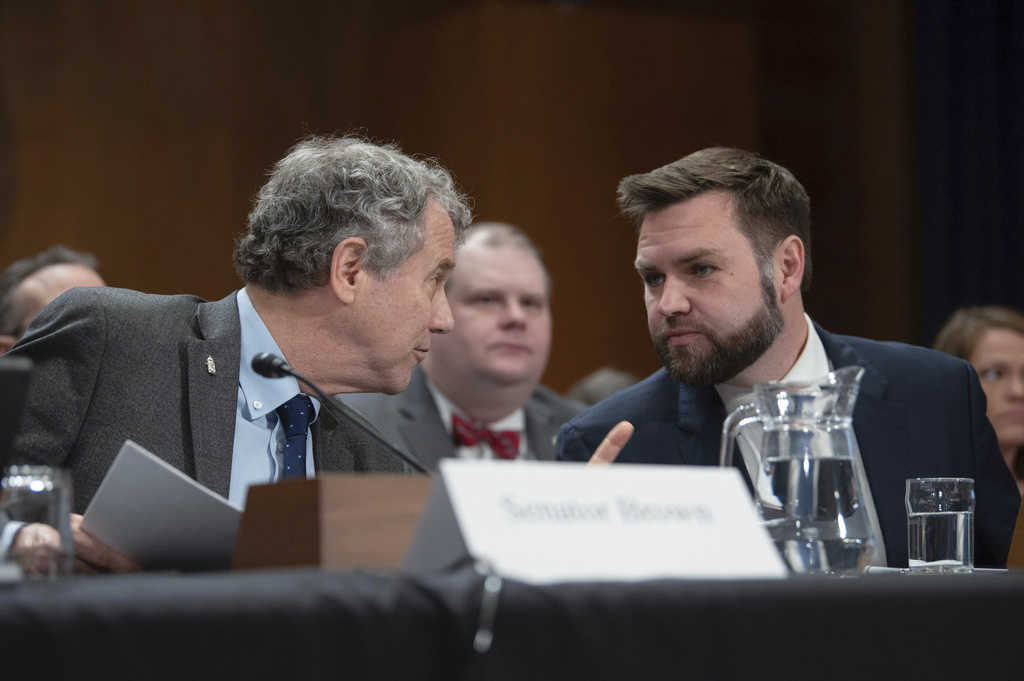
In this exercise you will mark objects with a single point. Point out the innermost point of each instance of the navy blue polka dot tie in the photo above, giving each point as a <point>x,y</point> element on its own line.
<point>295,415</point>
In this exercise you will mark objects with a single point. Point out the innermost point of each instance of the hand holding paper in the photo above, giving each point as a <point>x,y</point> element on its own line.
<point>149,510</point>
<point>92,555</point>
<point>34,543</point>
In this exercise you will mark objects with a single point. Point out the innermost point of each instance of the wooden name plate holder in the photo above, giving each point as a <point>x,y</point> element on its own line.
<point>338,521</point>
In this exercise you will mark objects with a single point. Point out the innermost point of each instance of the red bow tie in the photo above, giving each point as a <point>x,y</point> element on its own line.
<point>505,443</point>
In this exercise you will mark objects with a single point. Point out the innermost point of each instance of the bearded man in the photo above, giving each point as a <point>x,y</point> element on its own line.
<point>724,254</point>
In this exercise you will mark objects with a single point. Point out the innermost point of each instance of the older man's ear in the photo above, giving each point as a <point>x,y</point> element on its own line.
<point>347,267</point>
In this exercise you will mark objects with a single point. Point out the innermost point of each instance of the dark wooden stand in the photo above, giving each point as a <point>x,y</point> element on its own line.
<point>338,521</point>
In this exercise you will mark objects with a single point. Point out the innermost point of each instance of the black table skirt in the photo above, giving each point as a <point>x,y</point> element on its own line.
<point>307,624</point>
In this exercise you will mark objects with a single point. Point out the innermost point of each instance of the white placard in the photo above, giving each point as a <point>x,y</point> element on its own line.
<point>160,517</point>
<point>546,522</point>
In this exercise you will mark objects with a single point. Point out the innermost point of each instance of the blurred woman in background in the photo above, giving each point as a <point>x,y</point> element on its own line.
<point>991,338</point>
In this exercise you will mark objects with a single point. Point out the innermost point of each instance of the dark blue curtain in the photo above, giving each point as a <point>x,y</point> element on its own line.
<point>969,58</point>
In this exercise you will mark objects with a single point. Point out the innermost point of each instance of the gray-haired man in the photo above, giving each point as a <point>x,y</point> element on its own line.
<point>344,262</point>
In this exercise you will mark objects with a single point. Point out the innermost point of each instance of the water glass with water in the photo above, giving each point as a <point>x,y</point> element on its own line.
<point>41,494</point>
<point>940,524</point>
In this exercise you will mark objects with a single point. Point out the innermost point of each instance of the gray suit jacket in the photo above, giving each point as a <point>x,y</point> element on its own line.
<point>411,420</point>
<point>113,364</point>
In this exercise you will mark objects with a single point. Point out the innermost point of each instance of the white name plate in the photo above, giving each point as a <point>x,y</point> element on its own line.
<point>546,522</point>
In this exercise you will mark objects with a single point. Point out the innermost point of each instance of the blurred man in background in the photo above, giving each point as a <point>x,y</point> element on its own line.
<point>28,285</point>
<point>478,394</point>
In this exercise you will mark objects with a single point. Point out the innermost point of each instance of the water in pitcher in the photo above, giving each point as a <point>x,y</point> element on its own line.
<point>813,513</point>
<point>806,481</point>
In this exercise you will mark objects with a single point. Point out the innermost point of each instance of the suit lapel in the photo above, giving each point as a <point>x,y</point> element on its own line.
<point>330,452</point>
<point>213,397</point>
<point>882,428</point>
<point>419,423</point>
<point>540,429</point>
<point>339,446</point>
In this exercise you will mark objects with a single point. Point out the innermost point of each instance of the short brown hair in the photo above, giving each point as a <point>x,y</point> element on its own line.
<point>964,328</point>
<point>770,203</point>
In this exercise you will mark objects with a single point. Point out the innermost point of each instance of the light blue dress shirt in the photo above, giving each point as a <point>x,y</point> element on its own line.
<point>257,456</point>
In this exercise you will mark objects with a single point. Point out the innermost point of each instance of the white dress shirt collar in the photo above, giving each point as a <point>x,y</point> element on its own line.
<point>515,421</point>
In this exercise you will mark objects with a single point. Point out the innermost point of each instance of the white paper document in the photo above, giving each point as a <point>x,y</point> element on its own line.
<point>163,519</point>
<point>549,522</point>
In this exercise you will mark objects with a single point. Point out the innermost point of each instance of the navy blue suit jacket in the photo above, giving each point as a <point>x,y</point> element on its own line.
<point>919,413</point>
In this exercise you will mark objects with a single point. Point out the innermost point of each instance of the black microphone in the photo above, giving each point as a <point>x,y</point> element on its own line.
<point>270,365</point>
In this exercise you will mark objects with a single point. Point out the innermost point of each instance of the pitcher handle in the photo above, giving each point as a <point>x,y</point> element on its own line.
<point>730,429</point>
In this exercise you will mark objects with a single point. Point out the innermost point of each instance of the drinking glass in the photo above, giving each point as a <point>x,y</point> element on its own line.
<point>41,494</point>
<point>940,524</point>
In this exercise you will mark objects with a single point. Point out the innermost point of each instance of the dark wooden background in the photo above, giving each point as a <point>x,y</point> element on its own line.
<point>141,131</point>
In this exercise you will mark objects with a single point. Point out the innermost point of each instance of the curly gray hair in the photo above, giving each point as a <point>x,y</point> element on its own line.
<point>327,189</point>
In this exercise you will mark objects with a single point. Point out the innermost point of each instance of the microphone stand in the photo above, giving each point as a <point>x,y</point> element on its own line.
<point>271,366</point>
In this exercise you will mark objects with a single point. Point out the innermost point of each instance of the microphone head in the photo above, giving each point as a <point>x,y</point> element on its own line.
<point>270,365</point>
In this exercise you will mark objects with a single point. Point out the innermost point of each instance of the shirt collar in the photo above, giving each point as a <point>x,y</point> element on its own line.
<point>812,364</point>
<point>445,407</point>
<point>262,395</point>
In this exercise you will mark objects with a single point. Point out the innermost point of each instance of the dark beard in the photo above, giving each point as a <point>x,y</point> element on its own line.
<point>727,356</point>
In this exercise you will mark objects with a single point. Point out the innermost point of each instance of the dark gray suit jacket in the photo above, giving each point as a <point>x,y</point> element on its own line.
<point>411,420</point>
<point>113,364</point>
<point>920,413</point>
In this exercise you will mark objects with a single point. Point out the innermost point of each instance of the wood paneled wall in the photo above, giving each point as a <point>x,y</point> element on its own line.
<point>141,131</point>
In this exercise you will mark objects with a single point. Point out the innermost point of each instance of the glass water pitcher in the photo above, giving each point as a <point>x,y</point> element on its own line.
<point>808,487</point>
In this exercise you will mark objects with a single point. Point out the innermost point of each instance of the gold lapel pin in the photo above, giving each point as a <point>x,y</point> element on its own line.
<point>211,368</point>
